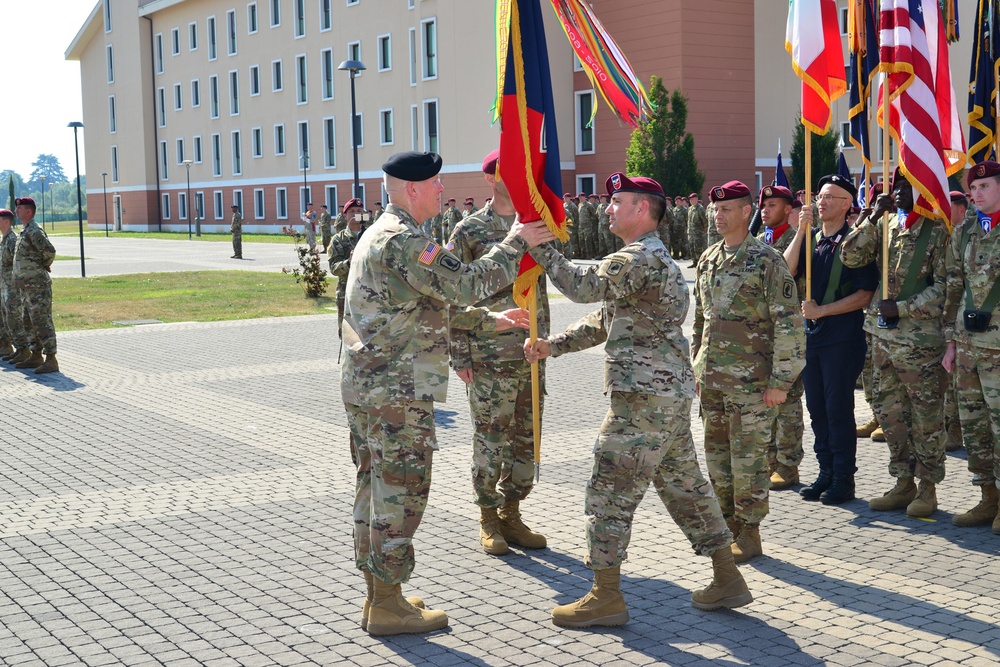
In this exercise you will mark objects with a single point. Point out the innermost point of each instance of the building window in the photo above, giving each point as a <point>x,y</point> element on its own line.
<point>360,194</point>
<point>254,80</point>
<point>258,204</point>
<point>351,2</point>
<point>301,81</point>
<point>325,19</point>
<point>413,56</point>
<point>213,45</point>
<point>386,136</point>
<point>279,139</point>
<point>199,205</point>
<point>354,53</point>
<point>238,200</point>
<point>110,57</point>
<point>300,17</point>
<point>303,138</point>
<point>234,93</point>
<point>384,53</point>
<point>281,203</point>
<point>277,83</point>
<point>252,18</point>
<point>414,126</point>
<point>409,4</point>
<point>845,135</point>
<point>107,15</point>
<point>331,197</point>
<point>584,128</point>
<point>195,93</point>
<point>881,148</point>
<point>164,174</point>
<point>178,101</point>
<point>431,126</point>
<point>305,197</point>
<point>275,13</point>
<point>844,27</point>
<point>358,130</point>
<point>192,36</point>
<point>217,201</point>
<point>237,154</point>
<point>256,142</point>
<point>428,34</point>
<point>114,164</point>
<point>586,184</point>
<point>112,115</point>
<point>161,107</point>
<point>326,60</point>
<point>175,42</point>
<point>158,41</point>
<point>213,96</point>
<point>231,31</point>
<point>197,150</point>
<point>182,209</point>
<point>216,154</point>
<point>165,205</point>
<point>577,65</point>
<point>180,151</point>
<point>329,143</point>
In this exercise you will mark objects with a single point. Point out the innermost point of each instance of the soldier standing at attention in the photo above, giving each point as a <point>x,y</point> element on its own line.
<point>10,298</point>
<point>395,366</point>
<point>973,347</point>
<point>325,226</point>
<point>908,345</point>
<point>573,245</point>
<point>665,225</point>
<point>748,350</point>
<point>588,227</point>
<point>452,216</point>
<point>236,228</point>
<point>713,233</point>
<point>470,207</point>
<point>309,218</point>
<point>646,435</point>
<point>33,257</point>
<point>606,238</point>
<point>678,230</point>
<point>492,365</point>
<point>338,254</point>
<point>697,233</point>
<point>377,213</point>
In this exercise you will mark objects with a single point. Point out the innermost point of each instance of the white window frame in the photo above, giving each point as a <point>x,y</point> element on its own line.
<point>193,36</point>
<point>277,82</point>
<point>109,62</point>
<point>256,142</point>
<point>213,96</point>
<point>196,149</point>
<point>299,18</point>
<point>161,107</point>
<point>359,124</point>
<point>158,52</point>
<point>329,133</point>
<point>236,148</point>
<point>238,200</point>
<point>254,80</point>
<point>216,155</point>
<point>437,123</point>
<point>301,79</point>
<point>580,187</point>
<point>199,204</point>
<point>217,204</point>
<point>428,60</point>
<point>578,127</point>
<point>231,35</point>
<point>213,38</point>
<point>281,202</point>
<point>112,115</point>
<point>303,138</point>
<point>842,20</point>
<point>386,39</point>
<point>195,93</point>
<point>175,41</point>
<point>354,53</point>
<point>279,130</point>
<point>305,197</point>
<point>253,19</point>
<point>164,171</point>
<point>179,150</point>
<point>326,74</point>
<point>414,126</point>
<point>275,13</point>
<point>178,97</point>
<point>114,163</point>
<point>845,135</point>
<point>258,203</point>
<point>351,3</point>
<point>165,205</point>
<point>382,115</point>
<point>413,56</point>
<point>107,16</point>
<point>333,202</point>
<point>325,15</point>
<point>234,92</point>
<point>182,209</point>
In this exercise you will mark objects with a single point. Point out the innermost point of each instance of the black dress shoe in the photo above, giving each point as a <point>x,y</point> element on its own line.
<point>816,489</point>
<point>840,491</point>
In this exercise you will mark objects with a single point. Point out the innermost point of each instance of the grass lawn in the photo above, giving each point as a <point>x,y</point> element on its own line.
<point>199,296</point>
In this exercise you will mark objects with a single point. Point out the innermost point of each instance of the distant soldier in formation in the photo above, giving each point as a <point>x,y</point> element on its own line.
<point>378,211</point>
<point>697,234</point>
<point>665,226</point>
<point>607,239</point>
<point>588,227</point>
<point>646,436</point>
<point>470,207</point>
<point>338,254</point>
<point>678,230</point>
<point>713,233</point>
<point>10,298</point>
<point>573,246</point>
<point>33,257</point>
<point>236,228</point>
<point>325,226</point>
<point>452,216</point>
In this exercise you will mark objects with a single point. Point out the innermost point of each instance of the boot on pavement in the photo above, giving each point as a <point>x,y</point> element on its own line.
<point>51,365</point>
<point>728,588</point>
<point>866,429</point>
<point>390,614</point>
<point>784,477</point>
<point>747,546</point>
<point>10,355</point>
<point>366,606</point>
<point>816,489</point>
<point>840,491</point>
<point>603,605</point>
<point>490,537</point>
<point>984,512</point>
<point>22,354</point>
<point>6,349</point>
<point>926,501</point>
<point>34,360</point>
<point>898,498</point>
<point>513,529</point>
<point>878,435</point>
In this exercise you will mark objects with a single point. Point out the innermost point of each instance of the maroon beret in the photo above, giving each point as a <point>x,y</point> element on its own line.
<point>6,213</point>
<point>981,170</point>
<point>775,192</point>
<point>957,196</point>
<point>470,200</point>
<point>582,194</point>
<point>896,173</point>
<point>27,201</point>
<point>874,191</point>
<point>351,203</point>
<point>490,162</point>
<point>450,200</point>
<point>730,190</point>
<point>566,194</point>
<point>855,209</point>
<point>694,194</point>
<point>796,203</point>
<point>619,182</point>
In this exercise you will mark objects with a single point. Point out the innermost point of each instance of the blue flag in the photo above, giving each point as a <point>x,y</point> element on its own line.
<point>780,178</point>
<point>863,188</point>
<point>863,45</point>
<point>983,83</point>
<point>843,169</point>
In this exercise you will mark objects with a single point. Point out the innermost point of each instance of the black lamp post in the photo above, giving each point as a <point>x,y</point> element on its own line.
<point>187,201</point>
<point>43,203</point>
<point>104,179</point>
<point>79,197</point>
<point>354,66</point>
<point>305,185</point>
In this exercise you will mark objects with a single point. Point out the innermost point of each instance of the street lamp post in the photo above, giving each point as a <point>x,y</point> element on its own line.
<point>104,179</point>
<point>79,197</point>
<point>52,198</point>
<point>354,66</point>
<point>305,185</point>
<point>187,204</point>
<point>43,202</point>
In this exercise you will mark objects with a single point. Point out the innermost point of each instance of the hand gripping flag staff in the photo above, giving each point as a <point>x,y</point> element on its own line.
<point>529,146</point>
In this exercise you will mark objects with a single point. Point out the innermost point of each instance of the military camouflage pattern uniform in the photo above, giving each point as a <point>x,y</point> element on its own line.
<point>748,337</point>
<point>500,394</point>
<point>395,366</point>
<point>452,216</point>
<point>909,382</point>
<point>325,228</point>
<point>604,235</point>
<point>573,247</point>
<point>309,221</point>
<point>646,435</point>
<point>340,222</point>
<point>11,297</point>
<point>377,214</point>
<point>678,232</point>
<point>975,265</point>
<point>338,254</point>
<point>33,256</point>
<point>696,234</point>
<point>713,234</point>
<point>588,229</point>
<point>236,227</point>
<point>663,229</point>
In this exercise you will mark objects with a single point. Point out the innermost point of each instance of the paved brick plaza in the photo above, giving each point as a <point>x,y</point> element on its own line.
<point>181,495</point>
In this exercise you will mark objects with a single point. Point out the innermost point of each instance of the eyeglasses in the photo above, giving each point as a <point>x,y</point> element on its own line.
<point>831,198</point>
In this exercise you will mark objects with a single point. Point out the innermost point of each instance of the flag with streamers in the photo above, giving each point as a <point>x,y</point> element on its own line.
<point>862,43</point>
<point>812,36</point>
<point>983,82</point>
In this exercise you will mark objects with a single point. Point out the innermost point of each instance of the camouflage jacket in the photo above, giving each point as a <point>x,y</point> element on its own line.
<point>713,234</point>
<point>377,214</point>
<point>33,254</point>
<point>922,315</point>
<point>339,256</point>
<point>340,222</point>
<point>666,222</point>
<point>474,237</point>
<point>645,302</point>
<point>748,332</point>
<point>325,221</point>
<point>680,216</point>
<point>236,226</point>
<point>572,212</point>
<point>396,319</point>
<point>697,217</point>
<point>7,257</point>
<point>977,266</point>
<point>588,217</point>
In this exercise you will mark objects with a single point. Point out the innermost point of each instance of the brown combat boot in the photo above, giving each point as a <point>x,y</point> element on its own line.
<point>390,614</point>
<point>747,546</point>
<point>489,533</point>
<point>513,529</point>
<point>366,606</point>
<point>926,501</point>
<point>34,360</point>
<point>728,589</point>
<point>603,605</point>
<point>866,429</point>
<point>784,477</point>
<point>878,435</point>
<point>734,526</point>
<point>6,349</point>
<point>21,355</point>
<point>984,512</point>
<point>898,498</point>
<point>13,353</point>
<point>50,365</point>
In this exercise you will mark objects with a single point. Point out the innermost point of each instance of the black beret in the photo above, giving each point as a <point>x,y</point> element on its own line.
<point>413,166</point>
<point>840,182</point>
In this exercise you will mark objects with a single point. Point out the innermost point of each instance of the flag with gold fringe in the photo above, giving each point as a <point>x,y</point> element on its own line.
<point>983,82</point>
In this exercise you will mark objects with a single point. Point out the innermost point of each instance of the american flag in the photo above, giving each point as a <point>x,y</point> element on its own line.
<point>923,117</point>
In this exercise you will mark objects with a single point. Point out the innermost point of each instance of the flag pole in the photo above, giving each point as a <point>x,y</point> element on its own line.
<point>808,202</point>
<point>886,187</point>
<point>536,413</point>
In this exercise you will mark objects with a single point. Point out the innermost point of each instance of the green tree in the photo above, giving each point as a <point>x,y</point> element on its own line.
<point>662,148</point>
<point>5,179</point>
<point>46,166</point>
<point>825,155</point>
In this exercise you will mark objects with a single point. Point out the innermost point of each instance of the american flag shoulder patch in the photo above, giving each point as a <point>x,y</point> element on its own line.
<point>430,251</point>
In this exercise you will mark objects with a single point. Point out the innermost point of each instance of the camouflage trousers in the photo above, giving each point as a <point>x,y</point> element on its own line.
<point>503,445</point>
<point>238,244</point>
<point>588,243</point>
<point>678,235</point>
<point>737,433</point>
<point>908,401</point>
<point>978,380</point>
<point>785,446</point>
<point>341,298</point>
<point>713,234</point>
<point>326,236</point>
<point>36,308</point>
<point>696,239</point>
<point>392,447</point>
<point>952,423</point>
<point>647,438</point>
<point>310,237</point>
<point>12,317</point>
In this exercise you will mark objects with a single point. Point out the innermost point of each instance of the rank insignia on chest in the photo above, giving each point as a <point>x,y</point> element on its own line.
<point>430,251</point>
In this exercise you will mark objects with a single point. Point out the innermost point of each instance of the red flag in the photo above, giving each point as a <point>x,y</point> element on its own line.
<point>812,36</point>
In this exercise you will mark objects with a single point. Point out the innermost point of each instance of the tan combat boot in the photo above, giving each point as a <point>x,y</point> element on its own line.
<point>34,360</point>
<point>728,589</point>
<point>878,435</point>
<point>6,349</point>
<point>866,429</point>
<point>513,529</point>
<point>734,526</point>
<point>984,512</point>
<point>50,365</point>
<point>22,354</point>
<point>926,501</point>
<point>898,498</point>
<point>603,605</point>
<point>489,533</point>
<point>390,614</point>
<point>784,477</point>
<point>747,545</point>
<point>366,606</point>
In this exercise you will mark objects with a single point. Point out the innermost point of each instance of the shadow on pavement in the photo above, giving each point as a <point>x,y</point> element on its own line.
<point>56,382</point>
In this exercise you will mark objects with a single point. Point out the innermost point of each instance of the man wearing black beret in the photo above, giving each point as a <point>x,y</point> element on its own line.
<point>395,366</point>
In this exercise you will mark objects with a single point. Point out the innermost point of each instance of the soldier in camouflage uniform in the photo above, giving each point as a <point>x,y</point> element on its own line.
<point>236,228</point>
<point>604,235</point>
<point>33,257</point>
<point>678,230</point>
<point>908,379</point>
<point>470,207</point>
<point>325,227</point>
<point>492,365</point>
<point>452,216</point>
<point>665,225</point>
<point>377,213</point>
<point>10,299</point>
<point>973,348</point>
<point>713,233</point>
<point>646,435</point>
<point>748,350</point>
<point>588,227</point>
<point>339,223</point>
<point>573,247</point>
<point>697,233</point>
<point>338,254</point>
<point>395,365</point>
